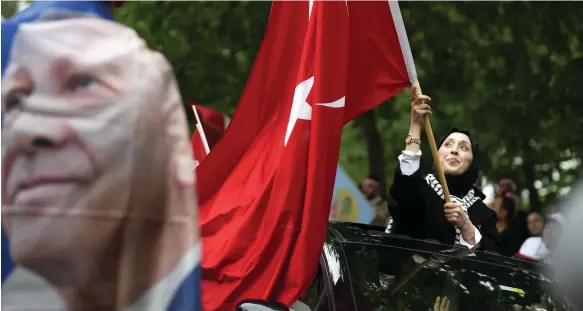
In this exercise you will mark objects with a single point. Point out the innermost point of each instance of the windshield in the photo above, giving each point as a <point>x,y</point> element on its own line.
<point>390,278</point>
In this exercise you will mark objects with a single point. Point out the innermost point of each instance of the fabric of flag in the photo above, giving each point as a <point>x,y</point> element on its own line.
<point>266,188</point>
<point>98,205</point>
<point>39,11</point>
<point>214,124</point>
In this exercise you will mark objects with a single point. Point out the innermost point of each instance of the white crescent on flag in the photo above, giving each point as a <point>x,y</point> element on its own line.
<point>300,107</point>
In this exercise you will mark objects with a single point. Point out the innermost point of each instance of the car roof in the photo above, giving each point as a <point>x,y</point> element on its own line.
<point>353,233</point>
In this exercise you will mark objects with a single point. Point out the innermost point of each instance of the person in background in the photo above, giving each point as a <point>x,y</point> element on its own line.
<point>421,211</point>
<point>478,184</point>
<point>552,231</point>
<point>511,237</point>
<point>517,221</point>
<point>539,248</point>
<point>506,185</point>
<point>535,223</point>
<point>371,188</point>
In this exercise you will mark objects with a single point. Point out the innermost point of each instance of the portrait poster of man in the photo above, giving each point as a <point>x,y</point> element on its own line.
<point>98,188</point>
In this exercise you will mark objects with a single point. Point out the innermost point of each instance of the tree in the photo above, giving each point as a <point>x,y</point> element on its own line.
<point>9,8</point>
<point>211,45</point>
<point>496,74</point>
<point>374,145</point>
<point>510,70</point>
<point>507,71</point>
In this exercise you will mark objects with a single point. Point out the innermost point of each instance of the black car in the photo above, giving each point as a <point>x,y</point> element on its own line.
<point>364,269</point>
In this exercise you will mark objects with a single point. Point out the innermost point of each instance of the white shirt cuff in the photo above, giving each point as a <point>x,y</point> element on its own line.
<point>477,239</point>
<point>409,162</point>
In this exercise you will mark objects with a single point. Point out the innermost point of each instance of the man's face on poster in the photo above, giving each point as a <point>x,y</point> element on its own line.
<point>66,156</point>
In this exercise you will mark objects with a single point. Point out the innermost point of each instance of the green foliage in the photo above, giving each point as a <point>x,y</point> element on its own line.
<point>507,71</point>
<point>212,45</point>
<point>9,8</point>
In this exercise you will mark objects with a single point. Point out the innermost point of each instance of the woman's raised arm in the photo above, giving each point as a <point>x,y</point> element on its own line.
<point>406,188</point>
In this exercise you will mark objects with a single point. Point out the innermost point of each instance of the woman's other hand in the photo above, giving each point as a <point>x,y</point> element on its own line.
<point>455,214</point>
<point>441,304</point>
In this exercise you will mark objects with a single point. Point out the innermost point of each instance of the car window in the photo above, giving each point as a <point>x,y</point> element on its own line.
<point>389,278</point>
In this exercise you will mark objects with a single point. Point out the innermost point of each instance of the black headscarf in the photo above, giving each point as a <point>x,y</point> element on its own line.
<point>460,185</point>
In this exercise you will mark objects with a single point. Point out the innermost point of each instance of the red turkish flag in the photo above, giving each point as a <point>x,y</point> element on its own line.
<point>214,124</point>
<point>265,190</point>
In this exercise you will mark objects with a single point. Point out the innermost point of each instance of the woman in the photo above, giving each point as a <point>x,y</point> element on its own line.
<point>535,222</point>
<point>510,225</point>
<point>422,212</point>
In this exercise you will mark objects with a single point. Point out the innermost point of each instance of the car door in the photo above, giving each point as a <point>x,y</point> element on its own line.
<point>319,295</point>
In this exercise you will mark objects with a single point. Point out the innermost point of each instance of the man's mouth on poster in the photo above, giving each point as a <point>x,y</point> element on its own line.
<point>47,177</point>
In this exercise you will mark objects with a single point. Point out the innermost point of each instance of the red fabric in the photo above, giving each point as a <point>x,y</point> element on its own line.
<point>524,256</point>
<point>214,124</point>
<point>264,205</point>
<point>377,68</point>
<point>197,147</point>
<point>211,118</point>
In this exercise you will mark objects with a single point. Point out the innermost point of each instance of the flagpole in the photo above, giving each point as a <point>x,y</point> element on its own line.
<point>410,64</point>
<point>201,131</point>
<point>433,147</point>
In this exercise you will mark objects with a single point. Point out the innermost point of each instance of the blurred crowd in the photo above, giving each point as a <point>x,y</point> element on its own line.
<point>529,234</point>
<point>524,232</point>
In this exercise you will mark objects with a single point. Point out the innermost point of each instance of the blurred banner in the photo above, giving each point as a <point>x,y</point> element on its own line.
<point>99,210</point>
<point>348,203</point>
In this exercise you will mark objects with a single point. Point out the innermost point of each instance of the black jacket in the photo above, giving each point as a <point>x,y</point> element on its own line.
<point>420,214</point>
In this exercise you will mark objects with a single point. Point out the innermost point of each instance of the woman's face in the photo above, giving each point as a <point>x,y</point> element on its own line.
<point>535,223</point>
<point>456,154</point>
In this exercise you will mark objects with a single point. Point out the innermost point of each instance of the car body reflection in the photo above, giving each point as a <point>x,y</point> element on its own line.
<point>364,269</point>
